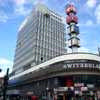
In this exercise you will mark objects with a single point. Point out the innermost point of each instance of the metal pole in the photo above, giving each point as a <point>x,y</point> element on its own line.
<point>5,84</point>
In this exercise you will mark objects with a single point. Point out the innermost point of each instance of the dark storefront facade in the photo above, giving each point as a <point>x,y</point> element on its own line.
<point>73,75</point>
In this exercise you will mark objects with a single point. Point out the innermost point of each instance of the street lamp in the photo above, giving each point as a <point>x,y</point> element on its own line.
<point>70,93</point>
<point>6,78</point>
<point>48,93</point>
<point>0,70</point>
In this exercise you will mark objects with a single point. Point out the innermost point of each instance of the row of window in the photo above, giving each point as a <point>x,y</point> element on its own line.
<point>31,22</point>
<point>52,42</point>
<point>55,49</point>
<point>48,51</point>
<point>24,52</point>
<point>25,45</point>
<point>28,29</point>
<point>44,44</point>
<point>27,33</point>
<point>48,26</point>
<point>44,57</point>
<point>46,37</point>
<point>24,58</point>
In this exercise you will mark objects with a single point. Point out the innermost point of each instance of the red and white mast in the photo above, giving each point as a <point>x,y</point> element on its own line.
<point>73,29</point>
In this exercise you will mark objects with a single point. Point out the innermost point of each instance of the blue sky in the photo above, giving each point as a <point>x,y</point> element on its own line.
<point>13,12</point>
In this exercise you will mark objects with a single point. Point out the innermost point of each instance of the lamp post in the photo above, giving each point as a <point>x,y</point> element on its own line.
<point>5,84</point>
<point>48,93</point>
<point>0,86</point>
<point>0,70</point>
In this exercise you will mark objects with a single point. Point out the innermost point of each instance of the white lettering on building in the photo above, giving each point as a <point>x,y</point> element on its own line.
<point>81,65</point>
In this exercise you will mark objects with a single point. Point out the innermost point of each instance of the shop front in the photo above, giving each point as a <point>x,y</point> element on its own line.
<point>77,87</point>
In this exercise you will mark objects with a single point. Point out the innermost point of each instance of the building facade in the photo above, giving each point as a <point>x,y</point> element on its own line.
<point>1,85</point>
<point>41,37</point>
<point>79,72</point>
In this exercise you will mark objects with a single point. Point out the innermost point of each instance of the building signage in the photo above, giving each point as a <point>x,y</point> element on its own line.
<point>90,85</point>
<point>61,89</point>
<point>84,88</point>
<point>77,92</point>
<point>78,65</point>
<point>79,84</point>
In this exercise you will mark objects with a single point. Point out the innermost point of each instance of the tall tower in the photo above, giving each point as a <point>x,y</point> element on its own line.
<point>73,29</point>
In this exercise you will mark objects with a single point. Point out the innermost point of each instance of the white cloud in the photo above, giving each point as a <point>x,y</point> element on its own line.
<point>91,3</point>
<point>69,50</point>
<point>2,3</point>
<point>39,1</point>
<point>3,17</point>
<point>20,2</point>
<point>2,74</point>
<point>83,49</point>
<point>5,61</point>
<point>4,64</point>
<point>97,14</point>
<point>21,7</point>
<point>21,10</point>
<point>89,23</point>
